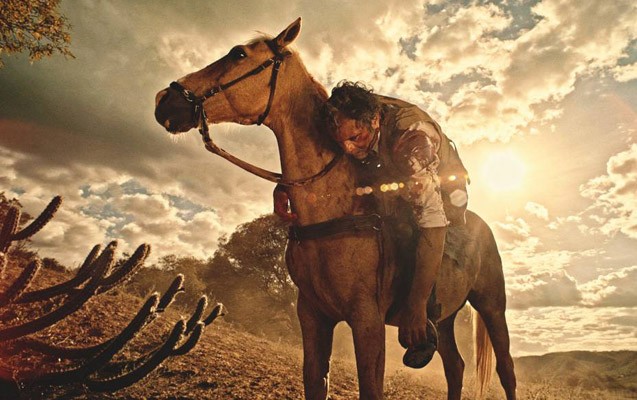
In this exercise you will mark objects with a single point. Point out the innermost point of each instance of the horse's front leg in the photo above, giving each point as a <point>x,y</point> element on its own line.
<point>318,332</point>
<point>368,330</point>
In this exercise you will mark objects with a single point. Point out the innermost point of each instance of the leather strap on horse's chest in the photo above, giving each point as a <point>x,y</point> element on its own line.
<point>349,223</point>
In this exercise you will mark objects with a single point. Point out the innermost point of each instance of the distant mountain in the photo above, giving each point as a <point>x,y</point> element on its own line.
<point>608,370</point>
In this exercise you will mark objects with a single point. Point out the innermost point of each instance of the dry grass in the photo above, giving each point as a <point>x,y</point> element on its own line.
<point>231,364</point>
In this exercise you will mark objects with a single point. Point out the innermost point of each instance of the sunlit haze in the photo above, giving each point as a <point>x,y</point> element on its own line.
<point>540,97</point>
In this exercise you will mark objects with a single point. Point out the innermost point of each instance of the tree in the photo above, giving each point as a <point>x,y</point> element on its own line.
<point>34,26</point>
<point>248,274</point>
<point>257,249</point>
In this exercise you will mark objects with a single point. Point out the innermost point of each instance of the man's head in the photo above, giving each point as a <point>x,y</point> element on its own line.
<point>352,114</point>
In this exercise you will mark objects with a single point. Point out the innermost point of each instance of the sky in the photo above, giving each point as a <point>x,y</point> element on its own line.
<point>540,97</point>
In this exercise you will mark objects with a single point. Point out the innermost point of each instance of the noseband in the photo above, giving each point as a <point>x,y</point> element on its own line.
<point>200,116</point>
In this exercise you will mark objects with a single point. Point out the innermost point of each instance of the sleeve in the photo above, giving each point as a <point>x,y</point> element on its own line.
<point>414,151</point>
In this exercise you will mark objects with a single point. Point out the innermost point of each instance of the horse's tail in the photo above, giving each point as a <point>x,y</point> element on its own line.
<point>483,350</point>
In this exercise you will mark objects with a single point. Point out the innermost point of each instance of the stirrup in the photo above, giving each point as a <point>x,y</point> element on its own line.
<point>420,355</point>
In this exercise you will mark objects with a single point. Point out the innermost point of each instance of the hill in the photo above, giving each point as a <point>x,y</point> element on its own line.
<point>229,363</point>
<point>615,370</point>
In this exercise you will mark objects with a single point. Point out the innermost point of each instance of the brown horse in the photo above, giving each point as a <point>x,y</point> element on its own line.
<point>337,275</point>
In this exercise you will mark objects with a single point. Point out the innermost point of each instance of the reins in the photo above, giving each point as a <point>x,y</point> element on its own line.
<point>200,116</point>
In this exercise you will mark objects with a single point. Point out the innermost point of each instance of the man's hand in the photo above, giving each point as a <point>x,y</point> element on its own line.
<point>282,205</point>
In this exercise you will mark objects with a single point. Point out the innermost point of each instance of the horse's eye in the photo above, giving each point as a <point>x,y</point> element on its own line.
<point>237,53</point>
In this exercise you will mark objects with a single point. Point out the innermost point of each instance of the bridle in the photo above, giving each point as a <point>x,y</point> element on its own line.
<point>200,117</point>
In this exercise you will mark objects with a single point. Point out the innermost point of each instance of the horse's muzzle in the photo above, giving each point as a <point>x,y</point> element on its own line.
<point>173,112</point>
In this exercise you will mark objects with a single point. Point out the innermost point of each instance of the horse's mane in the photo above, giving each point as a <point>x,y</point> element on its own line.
<point>260,37</point>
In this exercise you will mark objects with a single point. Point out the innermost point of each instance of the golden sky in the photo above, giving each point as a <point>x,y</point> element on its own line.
<point>540,97</point>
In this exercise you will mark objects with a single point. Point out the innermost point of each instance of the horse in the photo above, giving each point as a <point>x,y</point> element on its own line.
<point>337,275</point>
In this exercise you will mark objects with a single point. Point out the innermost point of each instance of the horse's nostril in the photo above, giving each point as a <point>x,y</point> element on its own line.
<point>161,96</point>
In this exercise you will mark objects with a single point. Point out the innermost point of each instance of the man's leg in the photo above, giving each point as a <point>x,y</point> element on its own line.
<point>412,332</point>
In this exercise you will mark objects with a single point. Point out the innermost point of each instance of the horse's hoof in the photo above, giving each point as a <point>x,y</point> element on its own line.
<point>419,356</point>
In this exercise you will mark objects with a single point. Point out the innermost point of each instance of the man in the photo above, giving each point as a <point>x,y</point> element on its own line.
<point>406,144</point>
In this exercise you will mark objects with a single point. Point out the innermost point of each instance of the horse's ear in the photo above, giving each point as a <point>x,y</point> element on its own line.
<point>288,35</point>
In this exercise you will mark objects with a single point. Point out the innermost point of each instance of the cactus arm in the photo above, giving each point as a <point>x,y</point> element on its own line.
<point>218,311</point>
<point>177,286</point>
<point>153,361</point>
<point>9,227</point>
<point>3,264</point>
<point>21,284</point>
<point>82,275</point>
<point>69,307</point>
<point>196,315</point>
<point>127,270</point>
<point>39,223</point>
<point>100,358</point>
<point>91,351</point>
<point>192,341</point>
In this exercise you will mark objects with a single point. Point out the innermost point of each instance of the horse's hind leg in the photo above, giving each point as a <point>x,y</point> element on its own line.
<point>451,358</point>
<point>491,308</point>
<point>318,332</point>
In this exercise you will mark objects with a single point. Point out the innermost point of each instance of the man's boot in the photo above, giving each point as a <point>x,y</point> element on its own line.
<point>416,332</point>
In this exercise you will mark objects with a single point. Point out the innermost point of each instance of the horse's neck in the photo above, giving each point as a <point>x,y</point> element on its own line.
<point>304,151</point>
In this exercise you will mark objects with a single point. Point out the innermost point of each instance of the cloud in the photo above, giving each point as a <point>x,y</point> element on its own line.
<point>614,195</point>
<point>543,289</point>
<point>537,210</point>
<point>550,329</point>
<point>616,289</point>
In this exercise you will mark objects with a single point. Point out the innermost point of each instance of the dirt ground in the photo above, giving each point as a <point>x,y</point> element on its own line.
<point>226,364</point>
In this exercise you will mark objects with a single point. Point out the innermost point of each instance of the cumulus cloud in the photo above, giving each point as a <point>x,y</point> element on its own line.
<point>614,195</point>
<point>616,289</point>
<point>549,329</point>
<point>537,210</point>
<point>543,290</point>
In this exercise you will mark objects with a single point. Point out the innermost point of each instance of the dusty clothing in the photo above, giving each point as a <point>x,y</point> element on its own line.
<point>413,145</point>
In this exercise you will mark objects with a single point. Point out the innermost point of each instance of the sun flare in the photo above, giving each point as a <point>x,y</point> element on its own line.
<point>504,171</point>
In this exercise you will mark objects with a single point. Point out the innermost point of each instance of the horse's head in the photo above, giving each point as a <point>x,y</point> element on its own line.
<point>238,87</point>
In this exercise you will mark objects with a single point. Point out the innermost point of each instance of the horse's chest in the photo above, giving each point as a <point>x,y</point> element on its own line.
<point>331,274</point>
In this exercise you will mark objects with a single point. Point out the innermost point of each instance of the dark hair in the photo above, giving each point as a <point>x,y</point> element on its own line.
<point>354,100</point>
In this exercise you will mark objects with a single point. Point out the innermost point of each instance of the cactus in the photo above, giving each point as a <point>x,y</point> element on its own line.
<point>40,221</point>
<point>120,381</point>
<point>20,284</point>
<point>127,270</point>
<point>9,232</point>
<point>9,225</point>
<point>196,315</point>
<point>3,264</point>
<point>177,286</point>
<point>66,309</point>
<point>82,275</point>
<point>96,275</point>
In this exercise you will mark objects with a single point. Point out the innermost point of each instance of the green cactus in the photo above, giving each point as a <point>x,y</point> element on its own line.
<point>196,315</point>
<point>192,340</point>
<point>70,306</point>
<point>177,286</point>
<point>113,383</point>
<point>95,276</point>
<point>106,351</point>
<point>21,283</point>
<point>218,311</point>
<point>3,264</point>
<point>127,270</point>
<point>9,226</point>
<point>91,351</point>
<point>82,275</point>
<point>39,223</point>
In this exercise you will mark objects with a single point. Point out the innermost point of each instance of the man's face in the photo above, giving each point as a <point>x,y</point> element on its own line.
<point>355,137</point>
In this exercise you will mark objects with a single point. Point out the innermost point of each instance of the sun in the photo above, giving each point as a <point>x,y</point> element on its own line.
<point>504,171</point>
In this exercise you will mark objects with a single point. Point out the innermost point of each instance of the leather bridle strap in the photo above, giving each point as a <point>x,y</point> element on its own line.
<point>199,113</point>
